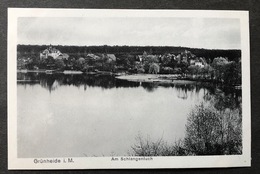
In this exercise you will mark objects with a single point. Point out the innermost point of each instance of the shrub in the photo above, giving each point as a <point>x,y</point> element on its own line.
<point>167,70</point>
<point>147,147</point>
<point>154,68</point>
<point>213,132</point>
<point>140,70</point>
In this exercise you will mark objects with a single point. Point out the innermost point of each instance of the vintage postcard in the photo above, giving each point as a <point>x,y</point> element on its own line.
<point>125,89</point>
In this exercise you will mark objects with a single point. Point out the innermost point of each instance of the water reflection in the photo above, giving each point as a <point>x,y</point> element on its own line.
<point>99,114</point>
<point>53,81</point>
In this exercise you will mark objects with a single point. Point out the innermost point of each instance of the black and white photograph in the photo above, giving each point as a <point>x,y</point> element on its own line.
<point>128,89</point>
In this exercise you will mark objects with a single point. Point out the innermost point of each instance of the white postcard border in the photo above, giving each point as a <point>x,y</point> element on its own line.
<point>107,162</point>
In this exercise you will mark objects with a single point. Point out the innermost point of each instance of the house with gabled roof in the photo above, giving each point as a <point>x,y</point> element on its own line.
<point>111,57</point>
<point>50,52</point>
<point>93,56</point>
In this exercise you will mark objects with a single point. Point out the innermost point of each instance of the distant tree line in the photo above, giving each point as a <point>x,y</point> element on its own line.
<point>134,50</point>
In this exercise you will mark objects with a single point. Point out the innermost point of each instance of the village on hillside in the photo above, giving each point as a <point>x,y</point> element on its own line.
<point>184,64</point>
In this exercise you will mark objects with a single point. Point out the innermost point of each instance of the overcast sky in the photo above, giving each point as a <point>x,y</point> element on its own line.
<point>210,33</point>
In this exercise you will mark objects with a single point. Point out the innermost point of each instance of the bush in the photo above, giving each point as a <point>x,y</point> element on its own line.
<point>213,132</point>
<point>140,70</point>
<point>167,70</point>
<point>154,68</point>
<point>147,147</point>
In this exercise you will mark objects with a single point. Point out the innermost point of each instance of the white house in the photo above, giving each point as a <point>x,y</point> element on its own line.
<point>200,64</point>
<point>52,52</point>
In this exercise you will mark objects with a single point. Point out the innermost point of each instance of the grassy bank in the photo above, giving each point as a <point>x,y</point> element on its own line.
<point>160,78</point>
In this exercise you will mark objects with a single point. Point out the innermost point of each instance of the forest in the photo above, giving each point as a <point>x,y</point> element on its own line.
<point>134,50</point>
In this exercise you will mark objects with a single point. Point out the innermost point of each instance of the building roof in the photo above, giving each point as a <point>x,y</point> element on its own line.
<point>93,56</point>
<point>65,56</point>
<point>111,56</point>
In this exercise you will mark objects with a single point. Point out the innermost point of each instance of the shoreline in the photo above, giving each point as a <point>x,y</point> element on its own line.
<point>63,72</point>
<point>156,78</point>
<point>147,78</point>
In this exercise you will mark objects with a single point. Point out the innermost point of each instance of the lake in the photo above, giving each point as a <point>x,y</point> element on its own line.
<point>96,115</point>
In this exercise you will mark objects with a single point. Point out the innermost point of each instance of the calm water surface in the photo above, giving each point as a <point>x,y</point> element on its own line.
<point>87,115</point>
